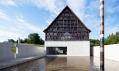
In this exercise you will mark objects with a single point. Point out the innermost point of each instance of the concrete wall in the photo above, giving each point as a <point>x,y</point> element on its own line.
<point>111,52</point>
<point>23,51</point>
<point>27,51</point>
<point>74,48</point>
<point>5,51</point>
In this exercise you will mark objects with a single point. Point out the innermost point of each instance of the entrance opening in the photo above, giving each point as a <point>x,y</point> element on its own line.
<point>56,50</point>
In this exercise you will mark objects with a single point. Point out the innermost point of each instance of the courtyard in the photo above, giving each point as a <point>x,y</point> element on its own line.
<point>64,64</point>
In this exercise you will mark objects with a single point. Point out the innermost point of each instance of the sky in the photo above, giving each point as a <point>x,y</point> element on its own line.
<point>19,18</point>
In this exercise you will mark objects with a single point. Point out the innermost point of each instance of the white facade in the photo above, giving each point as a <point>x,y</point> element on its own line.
<point>74,48</point>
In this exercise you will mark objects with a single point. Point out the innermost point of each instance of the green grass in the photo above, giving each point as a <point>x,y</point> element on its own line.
<point>37,45</point>
<point>13,50</point>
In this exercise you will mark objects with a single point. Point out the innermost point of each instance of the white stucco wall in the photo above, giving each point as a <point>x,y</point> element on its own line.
<point>74,48</point>
<point>111,52</point>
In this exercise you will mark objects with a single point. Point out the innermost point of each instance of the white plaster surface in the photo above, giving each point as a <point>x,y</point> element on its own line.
<point>74,48</point>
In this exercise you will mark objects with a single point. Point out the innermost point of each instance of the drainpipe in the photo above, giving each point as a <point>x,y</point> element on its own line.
<point>102,35</point>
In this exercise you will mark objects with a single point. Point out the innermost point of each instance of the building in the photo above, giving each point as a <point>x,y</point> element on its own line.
<point>67,35</point>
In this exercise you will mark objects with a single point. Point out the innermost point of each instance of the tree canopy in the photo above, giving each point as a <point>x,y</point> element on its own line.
<point>111,39</point>
<point>94,42</point>
<point>11,40</point>
<point>33,38</point>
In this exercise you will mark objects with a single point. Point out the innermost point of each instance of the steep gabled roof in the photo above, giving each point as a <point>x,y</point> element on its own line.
<point>60,14</point>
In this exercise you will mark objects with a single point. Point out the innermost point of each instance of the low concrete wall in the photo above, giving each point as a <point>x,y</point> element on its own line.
<point>111,52</point>
<point>23,51</point>
<point>5,51</point>
<point>28,51</point>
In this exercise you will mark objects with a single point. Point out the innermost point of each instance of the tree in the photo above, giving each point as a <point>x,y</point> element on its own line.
<point>94,42</point>
<point>34,38</point>
<point>112,39</point>
<point>41,41</point>
<point>11,40</point>
<point>26,40</point>
<point>21,41</point>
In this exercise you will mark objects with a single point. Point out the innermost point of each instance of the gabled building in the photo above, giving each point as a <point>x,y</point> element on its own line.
<point>67,35</point>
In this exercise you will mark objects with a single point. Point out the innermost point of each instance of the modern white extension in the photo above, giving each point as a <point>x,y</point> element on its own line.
<point>74,48</point>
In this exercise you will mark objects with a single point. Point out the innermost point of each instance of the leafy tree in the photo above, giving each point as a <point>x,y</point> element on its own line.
<point>11,40</point>
<point>41,41</point>
<point>34,38</point>
<point>21,41</point>
<point>26,40</point>
<point>112,39</point>
<point>94,42</point>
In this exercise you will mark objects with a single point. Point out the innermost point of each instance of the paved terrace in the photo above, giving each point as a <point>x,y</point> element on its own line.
<point>58,64</point>
<point>8,63</point>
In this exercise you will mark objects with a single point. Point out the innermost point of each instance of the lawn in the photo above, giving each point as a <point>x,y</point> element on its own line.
<point>37,45</point>
<point>13,50</point>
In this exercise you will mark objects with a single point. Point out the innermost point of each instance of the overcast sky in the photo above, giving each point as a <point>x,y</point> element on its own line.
<point>18,18</point>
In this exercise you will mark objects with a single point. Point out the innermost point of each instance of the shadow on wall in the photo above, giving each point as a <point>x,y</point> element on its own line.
<point>91,51</point>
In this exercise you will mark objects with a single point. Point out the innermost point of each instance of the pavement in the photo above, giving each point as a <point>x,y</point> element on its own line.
<point>12,62</point>
<point>59,63</point>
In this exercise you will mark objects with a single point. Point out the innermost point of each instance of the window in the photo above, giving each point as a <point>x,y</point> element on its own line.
<point>68,28</point>
<point>68,24</point>
<point>51,33</point>
<point>78,29</point>
<point>66,36</point>
<point>55,29</point>
<point>50,29</point>
<point>65,28</point>
<point>55,34</point>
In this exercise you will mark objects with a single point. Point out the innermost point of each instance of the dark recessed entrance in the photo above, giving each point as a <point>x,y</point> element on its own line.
<point>56,50</point>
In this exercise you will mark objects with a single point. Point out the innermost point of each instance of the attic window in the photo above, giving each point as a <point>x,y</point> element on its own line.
<point>78,29</point>
<point>50,29</point>
<point>55,29</point>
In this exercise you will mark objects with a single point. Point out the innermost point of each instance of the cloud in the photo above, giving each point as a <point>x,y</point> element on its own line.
<point>111,16</point>
<point>49,20</point>
<point>53,6</point>
<point>111,6</point>
<point>23,24</point>
<point>78,6</point>
<point>3,15</point>
<point>46,4</point>
<point>6,34</point>
<point>111,29</point>
<point>18,27</point>
<point>7,2</point>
